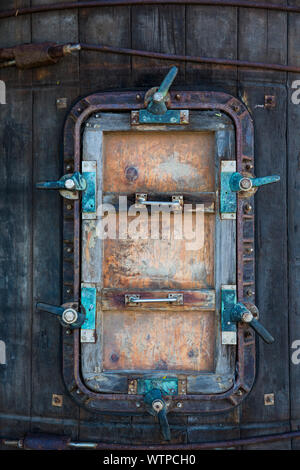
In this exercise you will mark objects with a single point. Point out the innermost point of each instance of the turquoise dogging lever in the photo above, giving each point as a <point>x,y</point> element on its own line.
<point>71,182</point>
<point>157,407</point>
<point>240,313</point>
<point>69,317</point>
<point>239,182</point>
<point>157,103</point>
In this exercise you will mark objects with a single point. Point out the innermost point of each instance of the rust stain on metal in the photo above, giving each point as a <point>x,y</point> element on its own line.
<point>159,341</point>
<point>57,400</point>
<point>175,161</point>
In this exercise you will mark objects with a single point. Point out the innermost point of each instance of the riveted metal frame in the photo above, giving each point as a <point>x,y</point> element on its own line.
<point>245,366</point>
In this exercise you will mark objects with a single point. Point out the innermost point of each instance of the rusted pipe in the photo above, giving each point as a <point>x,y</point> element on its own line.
<point>75,5</point>
<point>27,56</point>
<point>187,58</point>
<point>52,442</point>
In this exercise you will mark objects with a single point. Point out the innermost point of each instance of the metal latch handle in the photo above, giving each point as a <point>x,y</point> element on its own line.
<point>72,182</point>
<point>238,182</point>
<point>136,299</point>
<point>157,407</point>
<point>241,313</point>
<point>69,316</point>
<point>176,202</point>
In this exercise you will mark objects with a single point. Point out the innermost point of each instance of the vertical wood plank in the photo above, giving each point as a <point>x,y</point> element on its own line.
<point>60,27</point>
<point>262,38</point>
<point>15,234</point>
<point>211,32</point>
<point>107,26</point>
<point>47,256</point>
<point>159,29</point>
<point>15,256</point>
<point>271,257</point>
<point>293,194</point>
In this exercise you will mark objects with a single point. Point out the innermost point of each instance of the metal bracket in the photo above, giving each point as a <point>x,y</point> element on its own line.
<point>88,202</point>
<point>88,304</point>
<point>227,197</point>
<point>228,301</point>
<point>68,185</point>
<point>167,386</point>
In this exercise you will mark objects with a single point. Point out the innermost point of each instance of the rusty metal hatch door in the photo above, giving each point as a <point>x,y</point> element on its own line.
<point>152,251</point>
<point>158,275</point>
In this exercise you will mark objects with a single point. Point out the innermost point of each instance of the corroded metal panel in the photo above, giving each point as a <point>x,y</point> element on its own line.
<point>161,341</point>
<point>160,162</point>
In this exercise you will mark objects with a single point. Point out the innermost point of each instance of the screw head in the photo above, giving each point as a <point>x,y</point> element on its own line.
<point>247,317</point>
<point>157,405</point>
<point>245,184</point>
<point>70,316</point>
<point>69,184</point>
<point>158,97</point>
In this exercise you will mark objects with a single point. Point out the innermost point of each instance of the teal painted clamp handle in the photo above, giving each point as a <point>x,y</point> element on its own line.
<point>74,182</point>
<point>157,103</point>
<point>239,182</point>
<point>157,406</point>
<point>241,313</point>
<point>69,317</point>
<point>167,81</point>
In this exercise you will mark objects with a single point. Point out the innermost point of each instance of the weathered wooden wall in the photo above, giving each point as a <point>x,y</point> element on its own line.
<point>30,233</point>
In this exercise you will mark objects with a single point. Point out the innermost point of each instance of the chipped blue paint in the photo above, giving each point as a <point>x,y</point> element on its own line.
<point>171,116</point>
<point>88,301</point>
<point>89,195</point>
<point>167,386</point>
<point>227,196</point>
<point>228,301</point>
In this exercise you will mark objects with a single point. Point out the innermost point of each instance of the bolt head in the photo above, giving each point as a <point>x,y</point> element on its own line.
<point>245,184</point>
<point>158,97</point>
<point>70,316</point>
<point>157,405</point>
<point>179,405</point>
<point>69,184</point>
<point>247,317</point>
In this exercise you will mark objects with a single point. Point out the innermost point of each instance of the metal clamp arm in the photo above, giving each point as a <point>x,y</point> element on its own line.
<point>69,317</point>
<point>241,313</point>
<point>72,182</point>
<point>238,182</point>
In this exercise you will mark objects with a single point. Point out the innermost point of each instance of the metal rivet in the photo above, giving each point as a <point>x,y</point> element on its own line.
<point>247,208</point>
<point>138,97</point>
<point>249,293</point>
<point>69,207</point>
<point>57,400</point>
<point>138,405</point>
<point>68,332</point>
<point>178,97</point>
<point>61,103</point>
<point>69,184</point>
<point>269,399</point>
